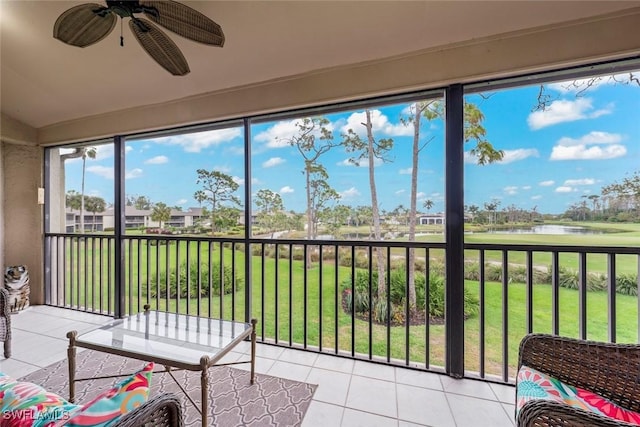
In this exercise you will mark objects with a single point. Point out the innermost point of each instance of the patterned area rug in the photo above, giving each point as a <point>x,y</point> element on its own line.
<point>270,401</point>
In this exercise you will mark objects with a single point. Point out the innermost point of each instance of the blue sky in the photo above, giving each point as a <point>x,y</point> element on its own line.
<point>552,158</point>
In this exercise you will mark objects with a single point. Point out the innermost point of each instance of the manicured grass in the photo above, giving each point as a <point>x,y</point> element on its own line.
<point>304,307</point>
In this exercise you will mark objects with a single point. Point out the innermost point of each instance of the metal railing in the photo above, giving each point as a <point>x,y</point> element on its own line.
<point>322,296</point>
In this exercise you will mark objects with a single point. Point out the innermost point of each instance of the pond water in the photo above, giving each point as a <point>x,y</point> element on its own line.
<point>547,229</point>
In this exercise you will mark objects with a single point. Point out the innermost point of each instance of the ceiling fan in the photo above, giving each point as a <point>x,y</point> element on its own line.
<point>88,23</point>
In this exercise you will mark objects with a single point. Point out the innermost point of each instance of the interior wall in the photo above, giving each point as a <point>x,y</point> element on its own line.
<point>22,238</point>
<point>547,48</point>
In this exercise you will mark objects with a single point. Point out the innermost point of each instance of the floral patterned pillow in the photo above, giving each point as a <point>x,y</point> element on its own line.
<point>533,384</point>
<point>24,404</point>
<point>110,405</point>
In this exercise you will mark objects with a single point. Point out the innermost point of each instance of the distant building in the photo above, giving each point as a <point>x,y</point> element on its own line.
<point>431,219</point>
<point>134,218</point>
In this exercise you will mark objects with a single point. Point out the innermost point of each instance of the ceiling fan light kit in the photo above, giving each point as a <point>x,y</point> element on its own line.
<point>88,23</point>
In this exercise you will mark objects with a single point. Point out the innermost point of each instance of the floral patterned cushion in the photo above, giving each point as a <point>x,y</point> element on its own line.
<point>107,407</point>
<point>533,384</point>
<point>24,404</point>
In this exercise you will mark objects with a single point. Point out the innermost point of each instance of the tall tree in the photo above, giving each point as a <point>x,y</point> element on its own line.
<point>320,195</point>
<point>217,191</point>
<point>428,204</point>
<point>335,218</point>
<point>89,152</point>
<point>139,202</point>
<point>483,151</point>
<point>473,210</point>
<point>95,204</point>
<point>369,150</point>
<point>312,139</point>
<point>270,210</point>
<point>161,213</point>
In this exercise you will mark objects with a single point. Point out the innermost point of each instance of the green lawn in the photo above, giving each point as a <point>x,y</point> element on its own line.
<point>305,307</point>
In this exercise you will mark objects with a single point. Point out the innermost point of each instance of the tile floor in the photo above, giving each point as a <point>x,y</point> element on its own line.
<point>350,393</point>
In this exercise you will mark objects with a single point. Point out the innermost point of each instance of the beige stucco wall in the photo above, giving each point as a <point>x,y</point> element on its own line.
<point>547,48</point>
<point>22,215</point>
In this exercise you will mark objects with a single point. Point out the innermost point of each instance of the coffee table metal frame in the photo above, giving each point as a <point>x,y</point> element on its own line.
<point>205,362</point>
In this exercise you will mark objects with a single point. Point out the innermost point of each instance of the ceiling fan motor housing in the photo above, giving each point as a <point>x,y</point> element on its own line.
<point>126,8</point>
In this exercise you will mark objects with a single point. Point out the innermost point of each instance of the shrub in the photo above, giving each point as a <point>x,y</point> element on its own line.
<point>517,274</point>
<point>493,272</point>
<point>627,284</point>
<point>161,281</point>
<point>397,295</point>
<point>568,278</point>
<point>596,282</point>
<point>541,276</point>
<point>472,271</point>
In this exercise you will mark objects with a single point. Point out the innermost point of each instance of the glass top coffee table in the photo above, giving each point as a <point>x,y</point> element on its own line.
<point>174,340</point>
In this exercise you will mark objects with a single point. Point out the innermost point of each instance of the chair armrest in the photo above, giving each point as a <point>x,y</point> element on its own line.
<point>4,302</point>
<point>164,410</point>
<point>547,413</point>
<point>5,313</point>
<point>610,370</point>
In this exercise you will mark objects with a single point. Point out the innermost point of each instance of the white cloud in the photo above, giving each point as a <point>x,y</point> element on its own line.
<point>238,180</point>
<point>537,197</point>
<point>519,154</point>
<point>157,160</point>
<point>406,171</point>
<point>278,135</point>
<point>274,161</point>
<point>128,148</point>
<point>351,193</point>
<point>420,195</point>
<point>470,158</point>
<point>583,181</point>
<point>286,189</point>
<point>195,142</point>
<point>511,190</point>
<point>592,138</point>
<point>103,171</point>
<point>400,191</point>
<point>526,187</point>
<point>563,110</point>
<point>546,183</point>
<point>181,202</point>
<point>133,173</point>
<point>380,125</point>
<point>564,189</point>
<point>582,152</point>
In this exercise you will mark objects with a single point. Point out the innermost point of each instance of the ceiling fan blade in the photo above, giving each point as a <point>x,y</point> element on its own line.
<point>185,21</point>
<point>81,26</point>
<point>160,47</point>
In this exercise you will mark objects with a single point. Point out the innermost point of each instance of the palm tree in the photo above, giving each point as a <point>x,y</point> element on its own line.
<point>89,152</point>
<point>428,204</point>
<point>161,213</point>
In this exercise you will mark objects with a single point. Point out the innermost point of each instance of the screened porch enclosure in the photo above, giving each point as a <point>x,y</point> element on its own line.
<point>312,274</point>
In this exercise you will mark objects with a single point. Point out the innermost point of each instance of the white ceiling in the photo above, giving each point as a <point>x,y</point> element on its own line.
<point>45,81</point>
